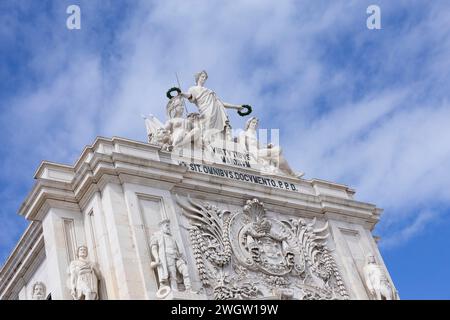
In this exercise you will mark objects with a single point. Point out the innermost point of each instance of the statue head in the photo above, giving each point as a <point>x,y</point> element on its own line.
<point>38,291</point>
<point>82,252</point>
<point>251,123</point>
<point>200,77</point>
<point>370,258</point>
<point>165,226</point>
<point>175,107</point>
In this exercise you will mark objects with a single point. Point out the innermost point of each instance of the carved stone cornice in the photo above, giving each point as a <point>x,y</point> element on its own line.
<point>123,160</point>
<point>21,259</point>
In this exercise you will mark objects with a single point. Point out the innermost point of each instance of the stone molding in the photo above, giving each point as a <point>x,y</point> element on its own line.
<point>126,160</point>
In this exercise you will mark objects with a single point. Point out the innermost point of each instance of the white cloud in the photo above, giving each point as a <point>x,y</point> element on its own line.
<point>420,223</point>
<point>358,118</point>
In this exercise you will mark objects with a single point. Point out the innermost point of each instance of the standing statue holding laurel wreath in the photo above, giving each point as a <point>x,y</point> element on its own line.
<point>212,110</point>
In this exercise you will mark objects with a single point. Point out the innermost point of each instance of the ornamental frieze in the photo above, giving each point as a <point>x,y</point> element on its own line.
<point>248,254</point>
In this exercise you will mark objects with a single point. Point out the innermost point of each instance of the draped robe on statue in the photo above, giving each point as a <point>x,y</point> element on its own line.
<point>84,277</point>
<point>212,110</point>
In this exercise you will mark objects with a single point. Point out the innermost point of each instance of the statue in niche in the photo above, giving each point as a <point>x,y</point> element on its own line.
<point>212,109</point>
<point>376,281</point>
<point>269,155</point>
<point>84,277</point>
<point>167,259</point>
<point>38,291</point>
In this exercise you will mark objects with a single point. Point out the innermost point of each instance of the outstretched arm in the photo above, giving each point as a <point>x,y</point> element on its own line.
<point>233,106</point>
<point>186,95</point>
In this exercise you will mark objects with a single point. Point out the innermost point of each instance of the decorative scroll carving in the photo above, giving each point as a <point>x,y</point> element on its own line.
<point>210,231</point>
<point>233,292</point>
<point>249,255</point>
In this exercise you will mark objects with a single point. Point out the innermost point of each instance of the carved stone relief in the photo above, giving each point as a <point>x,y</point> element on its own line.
<point>38,291</point>
<point>210,127</point>
<point>248,255</point>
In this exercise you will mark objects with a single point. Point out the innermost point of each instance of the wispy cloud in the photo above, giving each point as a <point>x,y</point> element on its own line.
<point>418,225</point>
<point>367,108</point>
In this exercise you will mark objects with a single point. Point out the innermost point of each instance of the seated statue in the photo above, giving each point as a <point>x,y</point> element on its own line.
<point>184,131</point>
<point>269,155</point>
<point>376,281</point>
<point>177,126</point>
<point>177,132</point>
<point>84,277</point>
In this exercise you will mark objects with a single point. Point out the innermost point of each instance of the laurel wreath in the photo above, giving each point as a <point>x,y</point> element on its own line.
<point>168,94</point>
<point>249,110</point>
<point>242,114</point>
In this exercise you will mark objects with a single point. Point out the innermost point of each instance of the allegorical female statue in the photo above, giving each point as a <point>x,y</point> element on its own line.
<point>84,277</point>
<point>212,110</point>
<point>269,155</point>
<point>38,291</point>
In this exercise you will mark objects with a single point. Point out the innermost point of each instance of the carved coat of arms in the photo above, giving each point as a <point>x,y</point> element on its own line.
<point>249,255</point>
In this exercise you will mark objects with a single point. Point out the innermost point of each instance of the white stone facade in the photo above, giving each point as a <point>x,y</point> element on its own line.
<point>114,197</point>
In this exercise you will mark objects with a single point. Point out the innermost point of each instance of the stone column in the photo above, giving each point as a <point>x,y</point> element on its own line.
<point>124,258</point>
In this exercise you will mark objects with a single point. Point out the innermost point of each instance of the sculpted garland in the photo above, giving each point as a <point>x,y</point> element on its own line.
<point>249,255</point>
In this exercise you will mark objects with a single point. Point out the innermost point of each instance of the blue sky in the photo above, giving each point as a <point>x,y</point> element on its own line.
<point>367,108</point>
